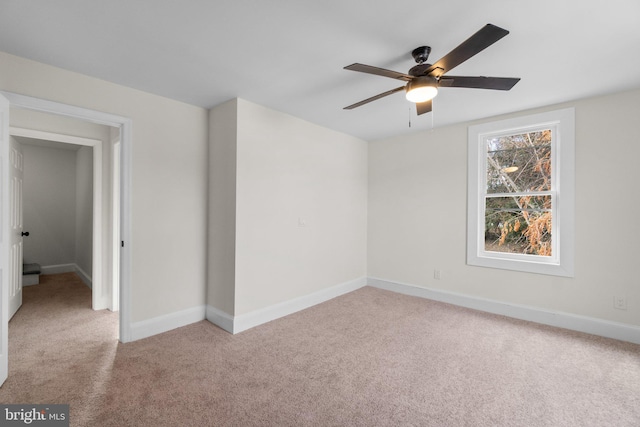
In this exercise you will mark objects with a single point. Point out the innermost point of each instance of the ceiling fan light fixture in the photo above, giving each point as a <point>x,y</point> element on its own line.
<point>422,89</point>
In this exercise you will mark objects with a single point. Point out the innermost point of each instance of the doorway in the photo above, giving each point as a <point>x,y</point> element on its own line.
<point>123,125</point>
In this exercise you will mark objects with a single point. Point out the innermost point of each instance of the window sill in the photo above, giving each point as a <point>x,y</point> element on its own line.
<point>527,266</point>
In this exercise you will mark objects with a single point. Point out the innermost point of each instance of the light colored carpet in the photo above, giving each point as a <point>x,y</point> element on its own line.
<point>368,358</point>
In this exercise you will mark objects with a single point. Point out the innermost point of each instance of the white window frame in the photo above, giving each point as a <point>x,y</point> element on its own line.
<point>561,263</point>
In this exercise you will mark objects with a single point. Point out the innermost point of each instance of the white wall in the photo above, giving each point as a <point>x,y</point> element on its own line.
<point>270,171</point>
<point>417,216</point>
<point>49,205</point>
<point>290,170</point>
<point>223,125</point>
<point>54,123</point>
<point>58,206</point>
<point>169,181</point>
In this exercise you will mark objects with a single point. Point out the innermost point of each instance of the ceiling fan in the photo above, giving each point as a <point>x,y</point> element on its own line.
<point>424,79</point>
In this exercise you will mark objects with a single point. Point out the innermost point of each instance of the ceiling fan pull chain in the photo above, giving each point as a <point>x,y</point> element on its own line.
<point>409,116</point>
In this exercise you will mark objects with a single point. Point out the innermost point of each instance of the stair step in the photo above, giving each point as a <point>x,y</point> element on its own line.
<point>30,269</point>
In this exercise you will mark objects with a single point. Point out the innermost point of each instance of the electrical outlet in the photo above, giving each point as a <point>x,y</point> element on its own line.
<point>620,302</point>
<point>436,274</point>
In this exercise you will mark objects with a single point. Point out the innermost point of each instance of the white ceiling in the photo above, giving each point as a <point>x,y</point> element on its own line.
<point>289,54</point>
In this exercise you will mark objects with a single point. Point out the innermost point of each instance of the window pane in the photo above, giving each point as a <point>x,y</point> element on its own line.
<point>519,163</point>
<point>519,224</point>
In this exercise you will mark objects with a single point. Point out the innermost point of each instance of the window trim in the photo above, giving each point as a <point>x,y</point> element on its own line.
<point>561,263</point>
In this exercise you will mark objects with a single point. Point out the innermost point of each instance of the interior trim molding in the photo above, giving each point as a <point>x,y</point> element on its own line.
<point>237,324</point>
<point>58,268</point>
<point>86,278</point>
<point>167,322</point>
<point>220,318</point>
<point>276,311</point>
<point>574,322</point>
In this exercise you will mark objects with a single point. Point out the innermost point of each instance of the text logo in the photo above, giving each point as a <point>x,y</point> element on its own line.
<point>34,415</point>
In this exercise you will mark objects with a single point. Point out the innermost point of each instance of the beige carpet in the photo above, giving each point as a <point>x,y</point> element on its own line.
<point>59,348</point>
<point>369,358</point>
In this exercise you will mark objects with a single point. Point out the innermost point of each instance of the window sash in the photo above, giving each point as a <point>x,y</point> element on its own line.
<point>555,247</point>
<point>555,236</point>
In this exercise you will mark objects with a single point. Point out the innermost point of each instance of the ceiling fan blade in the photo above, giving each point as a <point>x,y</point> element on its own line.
<point>481,40</point>
<point>498,83</point>
<point>424,107</point>
<point>378,71</point>
<point>373,98</point>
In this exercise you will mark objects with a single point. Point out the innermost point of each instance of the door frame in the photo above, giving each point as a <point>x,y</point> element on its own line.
<point>125,125</point>
<point>5,229</point>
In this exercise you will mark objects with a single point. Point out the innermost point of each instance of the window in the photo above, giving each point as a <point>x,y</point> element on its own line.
<point>521,194</point>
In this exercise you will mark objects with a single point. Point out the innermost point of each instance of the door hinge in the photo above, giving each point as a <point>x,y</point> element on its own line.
<point>122,243</point>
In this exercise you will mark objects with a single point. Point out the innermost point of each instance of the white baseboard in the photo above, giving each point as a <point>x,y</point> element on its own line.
<point>160,324</point>
<point>590,325</point>
<point>220,318</point>
<point>57,269</point>
<point>252,319</point>
<point>234,325</point>
<point>84,276</point>
<point>276,311</point>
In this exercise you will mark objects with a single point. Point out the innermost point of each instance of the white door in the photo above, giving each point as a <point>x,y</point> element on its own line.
<point>16,176</point>
<point>4,232</point>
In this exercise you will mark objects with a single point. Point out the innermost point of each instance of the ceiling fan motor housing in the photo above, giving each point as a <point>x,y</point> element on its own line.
<point>421,70</point>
